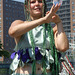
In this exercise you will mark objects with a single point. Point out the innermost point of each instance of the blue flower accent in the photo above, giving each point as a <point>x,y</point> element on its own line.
<point>20,52</point>
<point>38,55</point>
<point>12,55</point>
<point>26,56</point>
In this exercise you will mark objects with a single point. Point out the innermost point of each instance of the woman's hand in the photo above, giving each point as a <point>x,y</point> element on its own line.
<point>56,19</point>
<point>51,15</point>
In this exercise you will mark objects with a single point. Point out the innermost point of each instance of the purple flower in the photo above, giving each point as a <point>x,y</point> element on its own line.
<point>12,55</point>
<point>20,52</point>
<point>25,56</point>
<point>38,55</point>
<point>36,50</point>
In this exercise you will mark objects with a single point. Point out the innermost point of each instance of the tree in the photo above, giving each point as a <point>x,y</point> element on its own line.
<point>3,52</point>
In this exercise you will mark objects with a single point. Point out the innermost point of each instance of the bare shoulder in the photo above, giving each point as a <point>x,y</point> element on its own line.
<point>12,28</point>
<point>16,22</point>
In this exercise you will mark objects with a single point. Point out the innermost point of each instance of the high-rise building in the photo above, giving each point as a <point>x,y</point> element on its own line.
<point>9,11</point>
<point>72,15</point>
<point>66,13</point>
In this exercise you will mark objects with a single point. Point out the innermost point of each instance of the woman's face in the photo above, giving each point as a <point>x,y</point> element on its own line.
<point>36,7</point>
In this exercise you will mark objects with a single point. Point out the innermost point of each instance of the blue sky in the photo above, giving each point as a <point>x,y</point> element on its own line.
<point>19,0</point>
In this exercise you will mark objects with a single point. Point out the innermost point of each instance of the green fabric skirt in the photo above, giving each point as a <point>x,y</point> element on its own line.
<point>29,74</point>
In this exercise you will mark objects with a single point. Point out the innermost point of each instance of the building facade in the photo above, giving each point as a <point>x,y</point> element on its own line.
<point>66,13</point>
<point>72,15</point>
<point>9,11</point>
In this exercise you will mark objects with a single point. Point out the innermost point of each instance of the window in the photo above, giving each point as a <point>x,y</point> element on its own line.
<point>73,20</point>
<point>0,18</point>
<point>6,18</point>
<point>73,16</point>
<point>9,5</point>
<point>73,11</point>
<point>72,2</point>
<point>0,31</point>
<point>6,4</point>
<point>72,7</point>
<point>6,0</point>
<point>73,29</point>
<point>6,9</point>
<point>6,35</point>
<point>6,13</point>
<point>74,24</point>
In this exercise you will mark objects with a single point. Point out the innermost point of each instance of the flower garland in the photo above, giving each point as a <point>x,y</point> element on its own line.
<point>55,65</point>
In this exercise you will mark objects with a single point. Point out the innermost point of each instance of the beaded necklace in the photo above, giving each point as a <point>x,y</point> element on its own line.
<point>55,66</point>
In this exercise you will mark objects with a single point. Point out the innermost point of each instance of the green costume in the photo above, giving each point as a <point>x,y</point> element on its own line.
<point>25,42</point>
<point>41,37</point>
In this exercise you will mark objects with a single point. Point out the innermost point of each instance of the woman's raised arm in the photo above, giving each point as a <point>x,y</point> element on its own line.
<point>19,27</point>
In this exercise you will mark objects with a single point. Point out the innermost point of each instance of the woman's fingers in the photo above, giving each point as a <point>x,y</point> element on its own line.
<point>52,9</point>
<point>57,7</point>
<point>50,15</point>
<point>47,12</point>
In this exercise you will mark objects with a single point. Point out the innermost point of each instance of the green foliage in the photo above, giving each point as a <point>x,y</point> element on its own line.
<point>3,52</point>
<point>0,45</point>
<point>3,71</point>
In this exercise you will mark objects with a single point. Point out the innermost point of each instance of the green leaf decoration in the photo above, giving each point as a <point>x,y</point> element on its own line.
<point>4,53</point>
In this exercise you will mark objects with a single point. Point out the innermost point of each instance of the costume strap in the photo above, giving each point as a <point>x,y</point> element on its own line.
<point>55,65</point>
<point>44,44</point>
<point>33,47</point>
